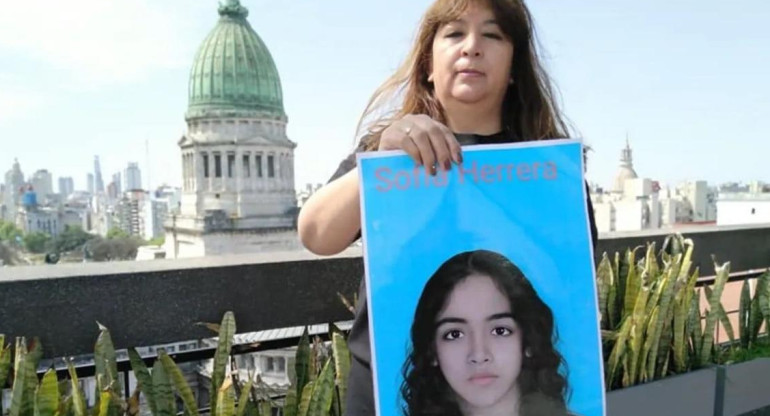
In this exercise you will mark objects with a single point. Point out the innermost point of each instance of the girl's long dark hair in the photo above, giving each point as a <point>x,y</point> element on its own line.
<point>426,392</point>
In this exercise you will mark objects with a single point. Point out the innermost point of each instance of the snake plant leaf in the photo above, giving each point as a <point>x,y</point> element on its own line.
<point>5,361</point>
<point>302,363</point>
<point>20,400</point>
<point>323,392</point>
<point>604,281</point>
<point>65,404</point>
<point>744,310</point>
<point>660,339</point>
<point>341,355</point>
<point>638,320</point>
<point>47,395</point>
<point>633,284</point>
<point>243,400</point>
<point>304,401</point>
<point>222,356</point>
<point>105,361</point>
<point>723,272</point>
<point>78,398</point>
<point>165,405</point>
<point>755,320</point>
<point>142,375</point>
<point>722,316</point>
<point>290,403</point>
<point>171,369</point>
<point>226,399</point>
<point>763,295</point>
<point>618,352</point>
<point>133,403</point>
<point>105,400</point>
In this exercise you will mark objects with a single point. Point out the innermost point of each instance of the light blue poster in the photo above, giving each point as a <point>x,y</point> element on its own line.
<point>480,283</point>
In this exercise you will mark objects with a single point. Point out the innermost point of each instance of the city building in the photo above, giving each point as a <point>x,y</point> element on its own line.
<point>90,183</point>
<point>237,162</point>
<point>98,180</point>
<point>14,183</point>
<point>42,183</point>
<point>750,205</point>
<point>132,177</point>
<point>33,218</point>
<point>66,186</point>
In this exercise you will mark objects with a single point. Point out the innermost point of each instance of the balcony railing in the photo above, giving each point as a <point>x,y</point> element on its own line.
<point>162,301</point>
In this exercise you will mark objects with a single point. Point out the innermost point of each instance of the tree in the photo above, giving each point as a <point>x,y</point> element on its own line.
<point>9,231</point>
<point>72,238</point>
<point>36,242</point>
<point>116,233</point>
<point>110,249</point>
<point>157,241</point>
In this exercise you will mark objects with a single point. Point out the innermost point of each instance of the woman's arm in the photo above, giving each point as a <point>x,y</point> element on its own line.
<point>330,220</point>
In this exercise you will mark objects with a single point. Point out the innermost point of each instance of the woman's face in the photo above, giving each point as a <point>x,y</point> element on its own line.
<point>472,59</point>
<point>479,345</point>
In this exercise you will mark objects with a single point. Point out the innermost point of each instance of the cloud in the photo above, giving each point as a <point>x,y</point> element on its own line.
<point>99,42</point>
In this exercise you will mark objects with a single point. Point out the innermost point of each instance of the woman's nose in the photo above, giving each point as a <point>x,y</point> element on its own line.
<point>472,45</point>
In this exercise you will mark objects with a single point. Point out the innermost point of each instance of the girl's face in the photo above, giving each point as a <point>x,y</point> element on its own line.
<point>472,59</point>
<point>479,346</point>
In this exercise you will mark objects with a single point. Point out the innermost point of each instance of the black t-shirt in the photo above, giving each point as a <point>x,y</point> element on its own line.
<point>358,340</point>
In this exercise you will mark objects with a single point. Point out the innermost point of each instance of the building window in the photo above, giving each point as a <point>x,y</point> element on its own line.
<point>217,165</point>
<point>274,365</point>
<point>271,166</point>
<point>205,165</point>
<point>246,166</point>
<point>259,165</point>
<point>753,211</point>
<point>230,165</point>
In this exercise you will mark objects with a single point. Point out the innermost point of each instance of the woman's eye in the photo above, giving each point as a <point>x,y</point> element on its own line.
<point>452,335</point>
<point>494,36</point>
<point>502,331</point>
<point>454,34</point>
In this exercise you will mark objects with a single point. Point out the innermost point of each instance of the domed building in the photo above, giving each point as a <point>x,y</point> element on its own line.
<point>237,162</point>
<point>626,170</point>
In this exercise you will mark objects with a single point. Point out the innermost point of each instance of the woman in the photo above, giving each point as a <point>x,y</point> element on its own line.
<point>482,342</point>
<point>472,77</point>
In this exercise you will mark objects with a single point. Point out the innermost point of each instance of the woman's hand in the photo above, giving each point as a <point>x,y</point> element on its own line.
<point>427,141</point>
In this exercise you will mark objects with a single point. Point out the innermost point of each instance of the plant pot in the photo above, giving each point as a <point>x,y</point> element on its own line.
<point>747,388</point>
<point>689,394</point>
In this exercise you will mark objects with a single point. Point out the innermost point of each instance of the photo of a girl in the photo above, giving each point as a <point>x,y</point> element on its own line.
<point>482,342</point>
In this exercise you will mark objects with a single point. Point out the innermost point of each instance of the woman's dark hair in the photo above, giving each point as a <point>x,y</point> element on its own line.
<point>425,391</point>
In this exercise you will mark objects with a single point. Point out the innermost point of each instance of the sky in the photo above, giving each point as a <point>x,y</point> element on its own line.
<point>685,81</point>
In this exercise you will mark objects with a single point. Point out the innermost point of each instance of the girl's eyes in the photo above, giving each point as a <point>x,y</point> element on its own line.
<point>502,331</point>
<point>452,335</point>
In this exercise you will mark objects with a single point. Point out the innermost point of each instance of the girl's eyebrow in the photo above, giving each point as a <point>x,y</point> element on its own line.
<point>455,320</point>
<point>462,21</point>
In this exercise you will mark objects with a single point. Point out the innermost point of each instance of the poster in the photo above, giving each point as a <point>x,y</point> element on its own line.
<point>513,217</point>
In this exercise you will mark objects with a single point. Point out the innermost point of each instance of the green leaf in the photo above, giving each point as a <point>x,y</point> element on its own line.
<point>143,377</point>
<point>105,362</point>
<point>290,403</point>
<point>226,399</point>
<point>723,272</point>
<point>47,395</point>
<point>164,396</point>
<point>5,361</point>
<point>744,311</point>
<point>180,383</point>
<point>221,357</point>
<point>304,401</point>
<point>244,399</point>
<point>323,391</point>
<point>341,365</point>
<point>302,362</point>
<point>78,399</point>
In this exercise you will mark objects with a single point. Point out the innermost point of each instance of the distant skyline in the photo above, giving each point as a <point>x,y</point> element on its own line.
<point>684,80</point>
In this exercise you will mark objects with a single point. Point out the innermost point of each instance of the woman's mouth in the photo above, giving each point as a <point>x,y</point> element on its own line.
<point>471,73</point>
<point>482,379</point>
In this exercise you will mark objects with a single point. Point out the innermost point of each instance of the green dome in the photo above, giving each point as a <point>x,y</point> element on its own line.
<point>234,73</point>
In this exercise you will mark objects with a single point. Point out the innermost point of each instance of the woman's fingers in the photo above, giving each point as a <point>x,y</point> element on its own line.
<point>440,146</point>
<point>422,140</point>
<point>426,141</point>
